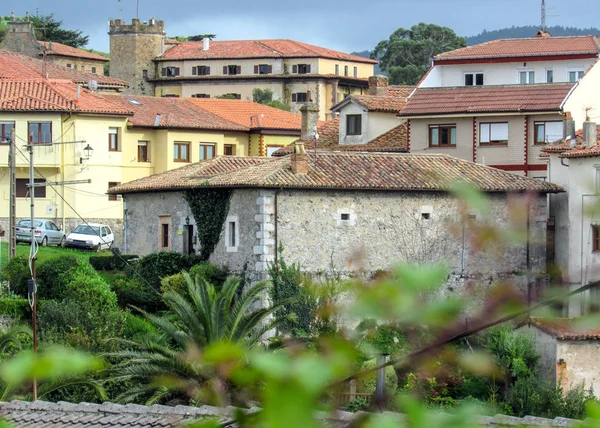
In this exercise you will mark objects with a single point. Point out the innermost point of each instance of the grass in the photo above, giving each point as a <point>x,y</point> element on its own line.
<point>44,253</point>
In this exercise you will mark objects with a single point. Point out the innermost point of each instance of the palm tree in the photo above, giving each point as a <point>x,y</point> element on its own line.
<point>201,317</point>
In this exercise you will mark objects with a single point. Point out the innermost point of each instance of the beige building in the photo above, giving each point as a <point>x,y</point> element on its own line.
<point>295,72</point>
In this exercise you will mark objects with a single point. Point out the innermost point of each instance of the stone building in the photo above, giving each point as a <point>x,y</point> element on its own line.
<point>133,48</point>
<point>341,211</point>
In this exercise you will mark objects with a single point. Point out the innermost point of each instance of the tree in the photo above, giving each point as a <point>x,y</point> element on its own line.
<point>265,96</point>
<point>196,38</point>
<point>50,30</point>
<point>195,320</point>
<point>407,54</point>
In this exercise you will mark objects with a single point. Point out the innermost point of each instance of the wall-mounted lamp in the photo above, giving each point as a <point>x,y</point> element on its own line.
<point>187,220</point>
<point>88,151</point>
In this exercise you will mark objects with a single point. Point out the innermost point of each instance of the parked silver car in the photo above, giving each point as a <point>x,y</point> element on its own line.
<point>46,232</point>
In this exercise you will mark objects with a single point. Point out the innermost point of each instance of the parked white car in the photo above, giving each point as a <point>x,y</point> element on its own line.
<point>91,236</point>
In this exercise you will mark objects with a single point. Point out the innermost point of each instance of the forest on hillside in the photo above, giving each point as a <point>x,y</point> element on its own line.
<point>528,31</point>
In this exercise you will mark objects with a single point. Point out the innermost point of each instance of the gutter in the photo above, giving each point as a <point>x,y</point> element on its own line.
<point>568,95</point>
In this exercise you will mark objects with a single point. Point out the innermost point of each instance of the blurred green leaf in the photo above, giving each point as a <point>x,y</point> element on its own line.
<point>472,197</point>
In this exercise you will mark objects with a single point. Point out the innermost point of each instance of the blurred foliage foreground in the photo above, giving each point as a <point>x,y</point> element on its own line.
<point>298,381</point>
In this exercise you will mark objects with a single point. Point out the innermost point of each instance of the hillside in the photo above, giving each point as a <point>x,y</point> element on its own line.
<point>528,31</point>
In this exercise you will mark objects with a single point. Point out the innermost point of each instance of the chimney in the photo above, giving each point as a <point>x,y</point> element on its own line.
<point>206,42</point>
<point>310,115</point>
<point>590,133</point>
<point>299,162</point>
<point>568,127</point>
<point>157,120</point>
<point>378,86</point>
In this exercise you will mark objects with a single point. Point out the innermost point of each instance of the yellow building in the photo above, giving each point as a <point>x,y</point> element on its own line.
<point>131,138</point>
<point>295,72</point>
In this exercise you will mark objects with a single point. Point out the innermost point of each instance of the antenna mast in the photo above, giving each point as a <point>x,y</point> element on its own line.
<point>544,15</point>
<point>121,10</point>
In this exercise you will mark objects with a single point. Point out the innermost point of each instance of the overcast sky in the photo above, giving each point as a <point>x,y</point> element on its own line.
<point>345,25</point>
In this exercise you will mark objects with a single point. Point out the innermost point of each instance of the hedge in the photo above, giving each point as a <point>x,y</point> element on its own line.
<point>15,307</point>
<point>117,262</point>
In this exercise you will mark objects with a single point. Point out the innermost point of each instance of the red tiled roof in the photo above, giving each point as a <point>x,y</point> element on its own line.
<point>536,46</point>
<point>278,48</point>
<point>389,104</point>
<point>53,48</point>
<point>174,113</point>
<point>250,114</point>
<point>566,329</point>
<point>487,99</point>
<point>400,90</point>
<point>337,170</point>
<point>18,66</point>
<point>51,95</point>
<point>579,151</point>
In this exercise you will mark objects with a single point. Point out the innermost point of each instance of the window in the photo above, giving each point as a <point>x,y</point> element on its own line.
<point>22,191</point>
<point>94,71</point>
<point>112,196</point>
<point>442,135</point>
<point>207,151</point>
<point>232,69</point>
<point>526,77</point>
<point>549,76</point>
<point>229,150</point>
<point>75,67</point>
<point>5,128</point>
<point>354,124</point>
<point>337,69</point>
<point>355,71</point>
<point>493,133</point>
<point>574,76</point>
<point>201,70</point>
<point>345,216</point>
<point>263,69</point>
<point>40,132</point>
<point>145,74</point>
<point>300,97</point>
<point>143,151</point>
<point>272,149</point>
<point>301,68</point>
<point>547,132</point>
<point>232,234</point>
<point>345,70</point>
<point>170,71</point>
<point>426,216</point>
<point>595,238</point>
<point>113,139</point>
<point>181,152</point>
<point>473,79</point>
<point>231,96</point>
<point>69,65</point>
<point>164,242</point>
<point>200,95</point>
<point>170,96</point>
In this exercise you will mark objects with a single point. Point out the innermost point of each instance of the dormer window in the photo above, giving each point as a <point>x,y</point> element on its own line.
<point>354,124</point>
<point>473,79</point>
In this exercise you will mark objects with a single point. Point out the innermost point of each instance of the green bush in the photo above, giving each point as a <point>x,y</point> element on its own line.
<point>136,326</point>
<point>154,267</point>
<point>381,339</point>
<point>15,307</point>
<point>116,262</point>
<point>211,273</point>
<point>513,350</point>
<point>51,284</point>
<point>134,292</point>
<point>16,271</point>
<point>357,405</point>
<point>84,284</point>
<point>174,283</point>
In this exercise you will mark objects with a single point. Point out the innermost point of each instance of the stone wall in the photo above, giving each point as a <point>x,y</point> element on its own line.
<point>21,38</point>
<point>579,364</point>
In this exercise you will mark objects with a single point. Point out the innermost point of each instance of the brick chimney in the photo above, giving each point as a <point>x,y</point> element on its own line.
<point>310,116</point>
<point>299,162</point>
<point>378,86</point>
<point>590,133</point>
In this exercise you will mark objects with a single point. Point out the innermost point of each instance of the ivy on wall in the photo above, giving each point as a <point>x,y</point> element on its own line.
<point>209,208</point>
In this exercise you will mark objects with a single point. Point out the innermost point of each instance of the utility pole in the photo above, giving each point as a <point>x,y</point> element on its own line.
<point>12,238</point>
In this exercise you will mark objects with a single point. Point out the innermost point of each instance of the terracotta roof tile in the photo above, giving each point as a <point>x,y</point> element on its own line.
<point>536,46</point>
<point>250,114</point>
<point>54,48</point>
<point>173,113</point>
<point>18,66</point>
<point>566,328</point>
<point>389,104</point>
<point>278,48</point>
<point>47,95</point>
<point>487,99</point>
<point>579,151</point>
<point>337,170</point>
<point>400,90</point>
<point>582,152</point>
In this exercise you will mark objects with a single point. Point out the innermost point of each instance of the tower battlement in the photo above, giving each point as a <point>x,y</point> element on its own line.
<point>153,26</point>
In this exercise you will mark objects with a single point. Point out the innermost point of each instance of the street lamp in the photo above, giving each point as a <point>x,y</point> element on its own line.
<point>88,151</point>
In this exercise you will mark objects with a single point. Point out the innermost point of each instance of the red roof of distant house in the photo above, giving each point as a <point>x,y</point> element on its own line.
<point>530,47</point>
<point>250,114</point>
<point>52,95</point>
<point>53,48</point>
<point>17,66</point>
<point>400,90</point>
<point>487,99</point>
<point>565,150</point>
<point>566,329</point>
<point>389,104</point>
<point>278,48</point>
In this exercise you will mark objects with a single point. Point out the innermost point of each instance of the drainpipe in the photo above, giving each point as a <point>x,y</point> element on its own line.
<point>125,226</point>
<point>276,215</point>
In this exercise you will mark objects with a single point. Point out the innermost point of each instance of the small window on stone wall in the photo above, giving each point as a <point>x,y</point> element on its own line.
<point>345,216</point>
<point>426,216</point>
<point>232,234</point>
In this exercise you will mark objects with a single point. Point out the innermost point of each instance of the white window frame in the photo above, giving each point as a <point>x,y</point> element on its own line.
<point>487,127</point>
<point>351,221</point>
<point>528,75</point>
<point>578,75</point>
<point>549,70</point>
<point>236,230</point>
<point>474,74</point>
